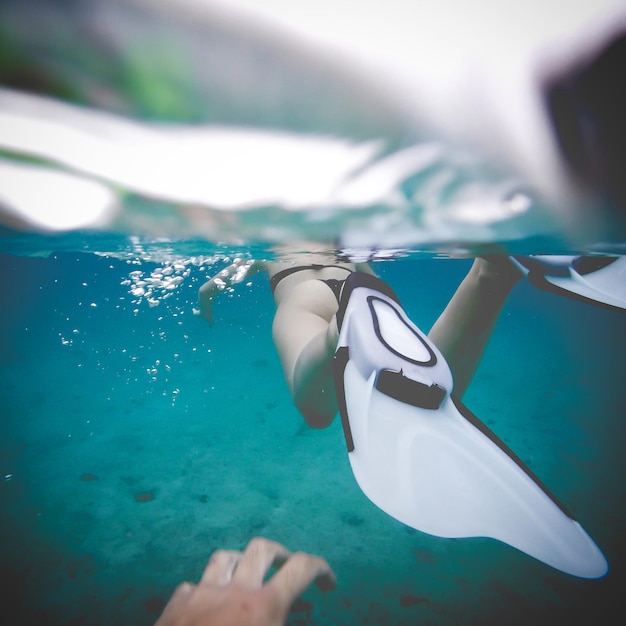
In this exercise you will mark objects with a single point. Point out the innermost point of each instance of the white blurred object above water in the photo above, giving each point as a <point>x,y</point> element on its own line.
<point>378,124</point>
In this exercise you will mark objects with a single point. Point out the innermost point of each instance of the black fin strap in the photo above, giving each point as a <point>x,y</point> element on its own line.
<point>340,361</point>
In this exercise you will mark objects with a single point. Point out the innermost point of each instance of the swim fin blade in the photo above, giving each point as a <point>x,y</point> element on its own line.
<point>422,457</point>
<point>599,280</point>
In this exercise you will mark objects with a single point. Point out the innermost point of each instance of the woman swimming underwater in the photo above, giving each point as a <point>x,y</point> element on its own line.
<point>305,330</point>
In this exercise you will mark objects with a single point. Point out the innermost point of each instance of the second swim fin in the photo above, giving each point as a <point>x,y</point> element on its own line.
<point>599,280</point>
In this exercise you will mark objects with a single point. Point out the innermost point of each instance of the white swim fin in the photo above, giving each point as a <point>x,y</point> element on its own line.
<point>422,457</point>
<point>599,280</point>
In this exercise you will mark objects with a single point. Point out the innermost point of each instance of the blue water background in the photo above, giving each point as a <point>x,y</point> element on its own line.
<point>135,440</point>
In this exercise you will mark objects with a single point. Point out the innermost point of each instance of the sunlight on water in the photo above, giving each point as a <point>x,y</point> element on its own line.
<point>95,166</point>
<point>326,137</point>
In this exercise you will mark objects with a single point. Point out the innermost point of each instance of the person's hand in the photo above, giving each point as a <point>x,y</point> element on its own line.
<point>233,274</point>
<point>232,592</point>
<point>205,312</point>
<point>206,295</point>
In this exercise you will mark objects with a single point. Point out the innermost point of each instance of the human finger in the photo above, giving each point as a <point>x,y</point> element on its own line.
<point>297,574</point>
<point>220,568</point>
<point>172,609</point>
<point>257,559</point>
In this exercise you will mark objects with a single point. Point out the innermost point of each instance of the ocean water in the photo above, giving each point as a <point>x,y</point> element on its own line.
<point>135,440</point>
<point>154,144</point>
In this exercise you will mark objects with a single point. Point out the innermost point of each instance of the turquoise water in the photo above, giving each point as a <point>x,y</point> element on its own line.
<point>135,440</point>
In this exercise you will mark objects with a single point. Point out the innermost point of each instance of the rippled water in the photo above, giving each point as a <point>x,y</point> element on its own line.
<point>206,123</point>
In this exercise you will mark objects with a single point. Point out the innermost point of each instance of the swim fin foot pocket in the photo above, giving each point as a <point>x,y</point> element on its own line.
<point>423,457</point>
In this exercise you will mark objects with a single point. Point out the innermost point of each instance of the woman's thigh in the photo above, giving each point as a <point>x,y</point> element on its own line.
<point>300,318</point>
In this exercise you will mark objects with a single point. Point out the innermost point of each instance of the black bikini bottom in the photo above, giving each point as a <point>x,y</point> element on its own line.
<point>334,284</point>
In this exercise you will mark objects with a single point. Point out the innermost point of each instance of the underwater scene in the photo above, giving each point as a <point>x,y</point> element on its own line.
<point>136,439</point>
<point>147,147</point>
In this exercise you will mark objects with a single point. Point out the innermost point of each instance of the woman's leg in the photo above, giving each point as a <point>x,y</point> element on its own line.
<point>465,326</point>
<point>305,336</point>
